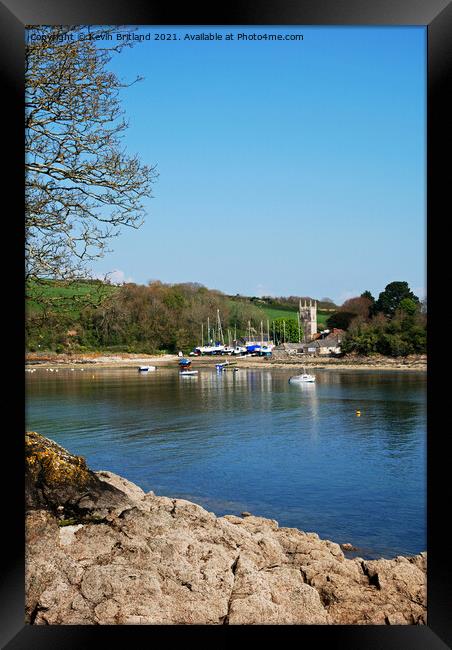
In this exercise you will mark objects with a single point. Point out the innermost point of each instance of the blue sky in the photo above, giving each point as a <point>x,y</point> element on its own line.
<point>286,168</point>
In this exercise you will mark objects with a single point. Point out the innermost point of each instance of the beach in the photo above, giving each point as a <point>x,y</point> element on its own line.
<point>107,360</point>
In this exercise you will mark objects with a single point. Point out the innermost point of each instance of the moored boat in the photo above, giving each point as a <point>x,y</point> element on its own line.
<point>185,368</point>
<point>184,363</point>
<point>225,364</point>
<point>304,378</point>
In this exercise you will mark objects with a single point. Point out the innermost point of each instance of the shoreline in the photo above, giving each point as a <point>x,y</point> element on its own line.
<point>125,360</point>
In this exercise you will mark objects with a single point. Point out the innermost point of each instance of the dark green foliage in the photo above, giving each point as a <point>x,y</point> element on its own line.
<point>397,328</point>
<point>363,342</point>
<point>390,299</point>
<point>340,319</point>
<point>402,335</point>
<point>367,294</point>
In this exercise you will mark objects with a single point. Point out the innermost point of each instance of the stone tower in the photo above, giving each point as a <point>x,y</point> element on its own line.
<point>308,319</point>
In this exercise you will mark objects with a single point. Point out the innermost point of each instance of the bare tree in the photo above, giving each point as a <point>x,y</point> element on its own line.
<point>81,185</point>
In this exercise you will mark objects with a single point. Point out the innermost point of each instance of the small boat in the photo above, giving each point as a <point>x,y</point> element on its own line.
<point>302,379</point>
<point>184,368</point>
<point>146,368</point>
<point>225,364</point>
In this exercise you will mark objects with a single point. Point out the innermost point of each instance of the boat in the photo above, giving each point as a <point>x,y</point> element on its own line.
<point>146,368</point>
<point>225,364</point>
<point>209,349</point>
<point>184,368</point>
<point>260,349</point>
<point>184,362</point>
<point>304,378</point>
<point>253,348</point>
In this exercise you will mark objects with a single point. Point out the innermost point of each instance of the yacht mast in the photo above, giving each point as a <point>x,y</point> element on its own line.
<point>220,330</point>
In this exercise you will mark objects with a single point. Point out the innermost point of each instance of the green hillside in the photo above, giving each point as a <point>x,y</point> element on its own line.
<point>65,297</point>
<point>272,313</point>
<point>62,316</point>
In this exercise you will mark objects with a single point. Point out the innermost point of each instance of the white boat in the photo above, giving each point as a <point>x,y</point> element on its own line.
<point>146,368</point>
<point>187,373</point>
<point>225,364</point>
<point>209,349</point>
<point>302,379</point>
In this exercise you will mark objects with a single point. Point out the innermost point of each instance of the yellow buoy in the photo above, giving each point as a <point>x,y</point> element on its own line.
<point>358,413</point>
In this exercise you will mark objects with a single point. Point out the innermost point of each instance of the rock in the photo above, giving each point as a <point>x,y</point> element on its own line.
<point>348,547</point>
<point>155,560</point>
<point>134,492</point>
<point>67,534</point>
<point>56,480</point>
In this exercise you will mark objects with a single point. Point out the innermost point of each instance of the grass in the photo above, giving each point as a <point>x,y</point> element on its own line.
<point>322,317</point>
<point>271,313</point>
<point>67,297</point>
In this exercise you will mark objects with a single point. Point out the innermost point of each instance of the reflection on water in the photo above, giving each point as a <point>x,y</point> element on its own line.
<point>249,440</point>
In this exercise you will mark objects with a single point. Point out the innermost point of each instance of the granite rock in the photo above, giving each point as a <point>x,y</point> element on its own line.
<point>146,559</point>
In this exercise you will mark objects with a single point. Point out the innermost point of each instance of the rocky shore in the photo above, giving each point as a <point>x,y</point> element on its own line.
<point>375,362</point>
<point>101,551</point>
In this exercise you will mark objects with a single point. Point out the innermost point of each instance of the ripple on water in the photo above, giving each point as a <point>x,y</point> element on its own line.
<point>251,441</point>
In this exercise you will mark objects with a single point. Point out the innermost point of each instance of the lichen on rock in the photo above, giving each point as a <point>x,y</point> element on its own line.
<point>60,482</point>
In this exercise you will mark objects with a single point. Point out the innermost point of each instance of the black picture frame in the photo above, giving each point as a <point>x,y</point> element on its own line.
<point>436,16</point>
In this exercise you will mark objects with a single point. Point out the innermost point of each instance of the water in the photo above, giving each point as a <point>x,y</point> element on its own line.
<point>248,440</point>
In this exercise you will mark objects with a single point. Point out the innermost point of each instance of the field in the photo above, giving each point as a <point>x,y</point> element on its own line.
<point>271,313</point>
<point>65,297</point>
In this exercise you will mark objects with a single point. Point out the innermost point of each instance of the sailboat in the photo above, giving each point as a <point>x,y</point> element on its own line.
<point>304,378</point>
<point>215,345</point>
